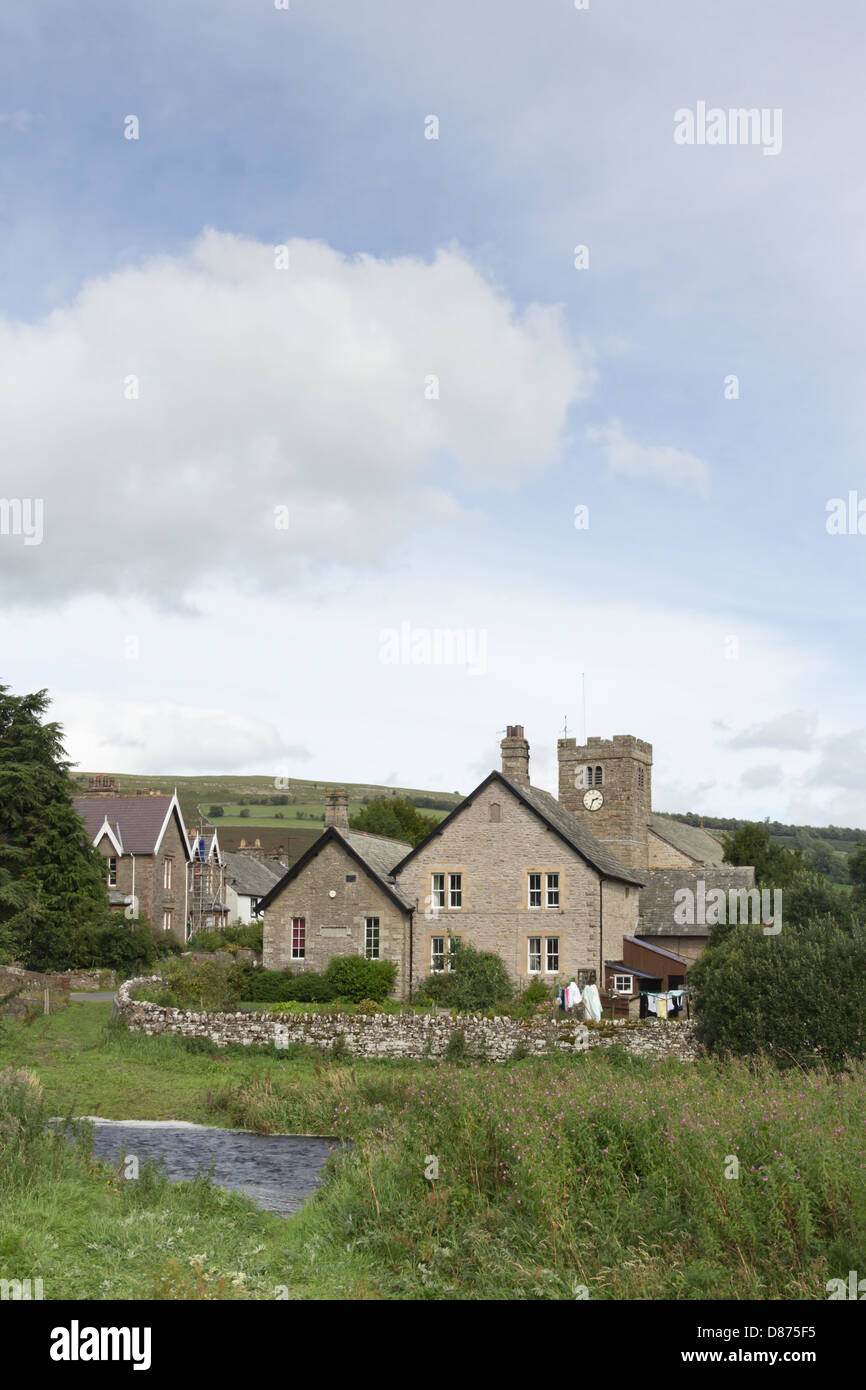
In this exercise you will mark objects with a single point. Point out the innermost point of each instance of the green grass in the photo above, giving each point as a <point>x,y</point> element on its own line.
<point>604,1172</point>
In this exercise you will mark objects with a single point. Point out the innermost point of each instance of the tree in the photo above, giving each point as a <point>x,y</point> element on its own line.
<point>52,880</point>
<point>857,874</point>
<point>800,996</point>
<point>214,812</point>
<point>775,866</point>
<point>395,817</point>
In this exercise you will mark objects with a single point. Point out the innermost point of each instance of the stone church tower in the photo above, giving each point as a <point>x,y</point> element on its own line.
<point>607,785</point>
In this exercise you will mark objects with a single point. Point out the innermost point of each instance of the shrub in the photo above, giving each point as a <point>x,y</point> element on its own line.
<point>204,985</point>
<point>266,985</point>
<point>478,981</point>
<point>356,978</point>
<point>368,1006</point>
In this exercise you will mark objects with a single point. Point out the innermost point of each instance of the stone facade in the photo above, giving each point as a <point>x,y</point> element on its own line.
<point>410,1036</point>
<point>625,763</point>
<point>334,897</point>
<point>494,844</point>
<point>145,876</point>
<point>661,855</point>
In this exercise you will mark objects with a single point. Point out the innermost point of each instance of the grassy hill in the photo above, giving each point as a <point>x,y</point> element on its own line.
<point>824,846</point>
<point>249,812</point>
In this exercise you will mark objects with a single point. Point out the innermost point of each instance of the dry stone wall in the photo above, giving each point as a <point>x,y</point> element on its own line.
<point>417,1036</point>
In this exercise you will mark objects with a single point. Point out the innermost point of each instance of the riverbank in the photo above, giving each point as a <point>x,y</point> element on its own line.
<point>601,1176</point>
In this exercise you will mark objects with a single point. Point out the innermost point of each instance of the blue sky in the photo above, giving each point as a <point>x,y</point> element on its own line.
<point>707,515</point>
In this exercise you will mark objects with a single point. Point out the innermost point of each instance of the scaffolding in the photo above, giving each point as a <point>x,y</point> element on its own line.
<point>207,910</point>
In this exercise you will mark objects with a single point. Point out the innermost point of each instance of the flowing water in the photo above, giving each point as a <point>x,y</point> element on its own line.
<point>278,1171</point>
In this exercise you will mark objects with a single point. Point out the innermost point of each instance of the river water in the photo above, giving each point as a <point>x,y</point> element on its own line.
<point>278,1171</point>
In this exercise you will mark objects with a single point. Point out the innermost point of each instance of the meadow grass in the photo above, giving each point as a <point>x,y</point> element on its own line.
<point>604,1173</point>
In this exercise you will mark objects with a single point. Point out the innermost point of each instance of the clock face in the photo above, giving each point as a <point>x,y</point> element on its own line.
<point>593,800</point>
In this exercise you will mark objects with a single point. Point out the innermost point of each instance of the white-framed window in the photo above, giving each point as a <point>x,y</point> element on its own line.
<point>299,938</point>
<point>533,951</point>
<point>437,890</point>
<point>552,890</point>
<point>442,953</point>
<point>371,938</point>
<point>167,873</point>
<point>534,897</point>
<point>167,919</point>
<point>455,890</point>
<point>551,954</point>
<point>112,871</point>
<point>623,984</point>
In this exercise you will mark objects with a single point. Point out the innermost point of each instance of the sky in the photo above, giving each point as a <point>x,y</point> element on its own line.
<point>376,375</point>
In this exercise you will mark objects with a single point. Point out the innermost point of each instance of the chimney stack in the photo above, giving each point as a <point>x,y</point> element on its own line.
<point>337,808</point>
<point>515,755</point>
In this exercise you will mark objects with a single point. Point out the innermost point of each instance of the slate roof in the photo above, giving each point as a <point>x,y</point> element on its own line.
<point>135,820</point>
<point>562,822</point>
<point>656,910</point>
<point>376,854</point>
<point>700,845</point>
<point>250,876</point>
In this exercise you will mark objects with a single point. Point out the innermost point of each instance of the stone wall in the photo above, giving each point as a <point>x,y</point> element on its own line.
<point>32,985</point>
<point>417,1036</point>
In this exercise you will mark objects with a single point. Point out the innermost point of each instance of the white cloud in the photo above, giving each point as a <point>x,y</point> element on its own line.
<point>794,730</point>
<point>124,736</point>
<point>261,388</point>
<point>656,461</point>
<point>761,776</point>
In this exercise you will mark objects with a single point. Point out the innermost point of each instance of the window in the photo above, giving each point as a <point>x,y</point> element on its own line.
<point>371,938</point>
<point>534,953</point>
<point>112,871</point>
<point>535,890</point>
<point>442,953</point>
<point>299,938</point>
<point>167,919</point>
<point>167,865</point>
<point>455,890</point>
<point>495,811</point>
<point>640,776</point>
<point>622,984</point>
<point>553,890</point>
<point>588,777</point>
<point>552,954</point>
<point>598,776</point>
<point>351,878</point>
<point>437,892</point>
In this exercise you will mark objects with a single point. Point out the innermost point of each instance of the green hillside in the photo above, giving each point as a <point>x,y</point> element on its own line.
<point>283,819</point>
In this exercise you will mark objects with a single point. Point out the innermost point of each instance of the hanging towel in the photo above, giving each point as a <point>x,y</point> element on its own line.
<point>592,1000</point>
<point>651,1004</point>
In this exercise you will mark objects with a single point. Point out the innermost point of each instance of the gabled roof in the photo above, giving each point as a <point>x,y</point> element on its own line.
<point>375,854</point>
<point>135,823</point>
<point>555,817</point>
<point>693,841</point>
<point>251,877</point>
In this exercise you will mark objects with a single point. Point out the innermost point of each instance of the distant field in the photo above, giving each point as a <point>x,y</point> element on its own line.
<point>305,811</point>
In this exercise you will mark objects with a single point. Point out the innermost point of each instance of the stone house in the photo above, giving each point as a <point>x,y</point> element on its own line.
<point>509,870</point>
<point>146,851</point>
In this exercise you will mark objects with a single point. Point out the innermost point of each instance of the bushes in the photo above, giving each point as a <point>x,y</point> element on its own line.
<point>205,985</point>
<point>353,977</point>
<point>246,934</point>
<point>799,996</point>
<point>478,981</point>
